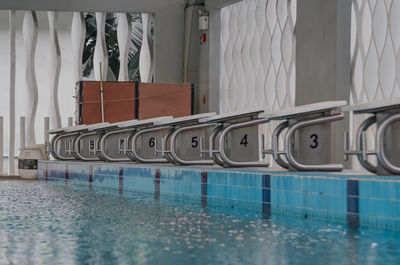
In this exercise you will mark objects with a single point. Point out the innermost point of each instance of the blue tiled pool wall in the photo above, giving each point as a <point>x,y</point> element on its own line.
<point>355,200</point>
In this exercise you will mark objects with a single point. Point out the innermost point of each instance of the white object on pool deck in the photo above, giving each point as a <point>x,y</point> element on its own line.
<point>28,161</point>
<point>233,115</point>
<point>304,110</point>
<point>187,119</point>
<point>374,106</point>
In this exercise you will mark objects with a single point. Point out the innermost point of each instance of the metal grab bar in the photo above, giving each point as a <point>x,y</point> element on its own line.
<point>101,152</point>
<point>174,153</point>
<point>55,144</point>
<point>275,152</point>
<point>50,148</point>
<point>211,145</point>
<point>380,144</point>
<point>288,145</point>
<point>132,153</point>
<point>223,136</point>
<point>76,150</point>
<point>361,145</point>
<point>165,152</point>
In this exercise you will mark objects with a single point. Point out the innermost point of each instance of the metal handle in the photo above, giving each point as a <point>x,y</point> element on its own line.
<point>275,152</point>
<point>380,144</point>
<point>76,150</point>
<point>223,136</point>
<point>288,145</point>
<point>102,154</point>
<point>134,153</point>
<point>182,161</point>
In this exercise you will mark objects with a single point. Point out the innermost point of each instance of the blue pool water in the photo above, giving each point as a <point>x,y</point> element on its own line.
<point>54,223</point>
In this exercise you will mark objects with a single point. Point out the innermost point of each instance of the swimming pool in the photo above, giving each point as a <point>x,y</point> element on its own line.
<point>48,223</point>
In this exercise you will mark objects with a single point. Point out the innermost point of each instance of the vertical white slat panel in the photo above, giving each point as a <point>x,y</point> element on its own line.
<point>78,33</point>
<point>123,34</point>
<point>11,153</point>
<point>54,69</point>
<point>22,132</point>
<point>1,146</point>
<point>30,33</point>
<point>70,121</point>
<point>100,50</point>
<point>146,60</point>
<point>46,127</point>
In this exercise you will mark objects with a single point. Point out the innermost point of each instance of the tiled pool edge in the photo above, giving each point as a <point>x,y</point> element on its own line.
<point>355,200</point>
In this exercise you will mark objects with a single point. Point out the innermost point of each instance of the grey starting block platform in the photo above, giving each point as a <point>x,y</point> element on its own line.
<point>142,140</point>
<point>61,146</point>
<point>85,144</point>
<point>112,142</point>
<point>181,144</point>
<point>385,114</point>
<point>234,140</point>
<point>307,142</point>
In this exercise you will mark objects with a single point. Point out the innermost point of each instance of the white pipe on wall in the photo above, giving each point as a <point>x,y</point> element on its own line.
<point>46,138</point>
<point>11,150</point>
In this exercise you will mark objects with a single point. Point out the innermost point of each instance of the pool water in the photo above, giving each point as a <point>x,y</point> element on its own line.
<point>54,223</point>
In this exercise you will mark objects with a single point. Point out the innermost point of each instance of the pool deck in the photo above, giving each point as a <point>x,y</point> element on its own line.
<point>355,198</point>
<point>9,178</point>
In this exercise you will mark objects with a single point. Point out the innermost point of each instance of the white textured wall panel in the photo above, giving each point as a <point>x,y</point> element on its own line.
<point>375,62</point>
<point>376,50</point>
<point>258,55</point>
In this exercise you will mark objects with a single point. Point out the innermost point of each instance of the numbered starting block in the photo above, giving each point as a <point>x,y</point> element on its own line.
<point>85,145</point>
<point>142,140</point>
<point>181,143</point>
<point>61,146</point>
<point>386,117</point>
<point>234,140</point>
<point>112,143</point>
<point>307,142</point>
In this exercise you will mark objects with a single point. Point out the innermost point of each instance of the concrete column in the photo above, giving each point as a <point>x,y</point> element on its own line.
<point>214,62</point>
<point>323,58</point>
<point>11,154</point>
<point>168,42</point>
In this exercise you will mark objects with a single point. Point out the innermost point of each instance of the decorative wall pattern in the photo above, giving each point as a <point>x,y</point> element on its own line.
<point>258,55</point>
<point>375,50</point>
<point>375,58</point>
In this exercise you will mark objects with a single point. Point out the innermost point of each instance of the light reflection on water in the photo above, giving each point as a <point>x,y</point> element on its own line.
<point>50,223</point>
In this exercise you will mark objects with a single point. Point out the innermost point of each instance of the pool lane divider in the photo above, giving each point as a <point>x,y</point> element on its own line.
<point>353,207</point>
<point>66,174</point>
<point>46,176</point>
<point>266,195</point>
<point>204,181</point>
<point>121,180</point>
<point>90,176</point>
<point>157,183</point>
